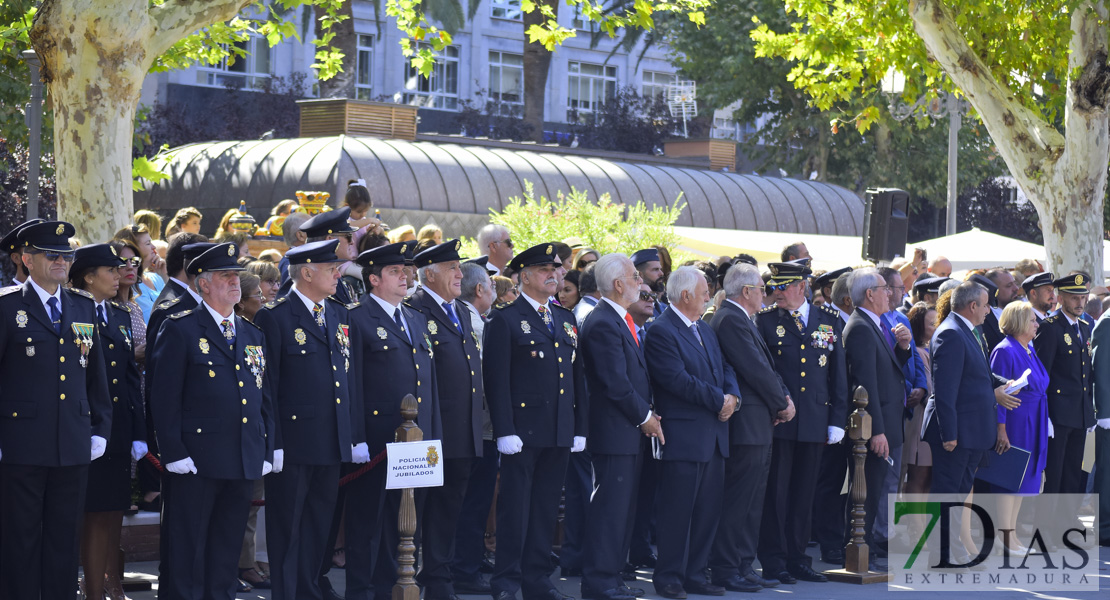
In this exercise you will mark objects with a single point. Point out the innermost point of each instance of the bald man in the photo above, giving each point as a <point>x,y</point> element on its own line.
<point>940,266</point>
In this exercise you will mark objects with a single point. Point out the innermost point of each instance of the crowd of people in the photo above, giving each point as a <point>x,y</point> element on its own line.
<point>691,417</point>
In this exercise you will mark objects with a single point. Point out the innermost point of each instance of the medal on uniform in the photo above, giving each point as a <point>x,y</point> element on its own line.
<point>432,327</point>
<point>342,334</point>
<point>780,331</point>
<point>474,334</point>
<point>203,345</point>
<point>83,334</point>
<point>572,331</point>
<point>824,360</point>
<point>1067,339</point>
<point>21,319</point>
<point>299,336</point>
<point>30,351</point>
<point>126,335</point>
<point>428,343</point>
<point>382,334</point>
<point>525,327</point>
<point>256,362</point>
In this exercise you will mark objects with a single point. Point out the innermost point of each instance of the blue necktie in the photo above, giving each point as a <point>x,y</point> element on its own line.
<point>697,334</point>
<point>451,313</point>
<point>401,324</point>
<point>55,314</point>
<point>100,313</point>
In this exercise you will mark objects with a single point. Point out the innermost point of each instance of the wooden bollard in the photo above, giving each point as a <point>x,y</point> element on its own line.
<point>406,588</point>
<point>857,560</point>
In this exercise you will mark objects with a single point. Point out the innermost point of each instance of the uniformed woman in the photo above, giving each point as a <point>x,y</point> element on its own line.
<point>96,270</point>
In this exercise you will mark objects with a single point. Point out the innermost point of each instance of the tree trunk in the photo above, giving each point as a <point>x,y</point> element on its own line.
<point>537,63</point>
<point>95,55</point>
<point>1064,176</point>
<point>342,85</point>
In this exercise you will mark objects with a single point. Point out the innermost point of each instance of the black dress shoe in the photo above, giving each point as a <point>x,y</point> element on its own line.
<point>671,590</point>
<point>478,585</point>
<point>805,573</point>
<point>551,594</point>
<point>631,591</point>
<point>786,577</point>
<point>242,587</point>
<point>704,588</point>
<point>628,573</point>
<point>647,560</point>
<point>504,596</point>
<point>833,557</point>
<point>737,583</point>
<point>611,594</point>
<point>761,582</point>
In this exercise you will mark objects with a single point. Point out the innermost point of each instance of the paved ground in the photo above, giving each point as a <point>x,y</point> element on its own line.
<point>802,590</point>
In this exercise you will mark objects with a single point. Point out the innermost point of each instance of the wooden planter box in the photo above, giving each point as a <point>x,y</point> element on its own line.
<point>334,116</point>
<point>721,153</point>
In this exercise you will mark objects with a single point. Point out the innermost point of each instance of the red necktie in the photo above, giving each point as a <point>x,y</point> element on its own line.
<point>632,328</point>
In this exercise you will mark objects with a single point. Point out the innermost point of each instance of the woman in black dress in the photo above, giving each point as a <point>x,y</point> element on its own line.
<point>96,271</point>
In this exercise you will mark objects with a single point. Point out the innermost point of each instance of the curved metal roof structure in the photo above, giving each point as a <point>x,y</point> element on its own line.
<point>474,178</point>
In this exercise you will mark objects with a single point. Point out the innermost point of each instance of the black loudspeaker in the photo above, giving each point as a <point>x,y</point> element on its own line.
<point>885,224</point>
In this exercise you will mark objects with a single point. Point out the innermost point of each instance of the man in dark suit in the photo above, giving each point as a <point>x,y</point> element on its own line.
<point>331,225</point>
<point>962,424</point>
<point>396,359</point>
<point>309,348</point>
<point>11,247</point>
<point>55,417</point>
<point>766,402</point>
<point>537,401</point>
<point>1100,367</point>
<point>1041,294</point>
<point>620,413</point>
<point>808,358</point>
<point>215,442</point>
<point>459,382</point>
<point>180,282</point>
<point>695,393</point>
<point>1062,344</point>
<point>875,355</point>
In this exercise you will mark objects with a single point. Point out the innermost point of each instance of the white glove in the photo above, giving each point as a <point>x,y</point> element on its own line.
<point>99,445</point>
<point>1103,423</point>
<point>1051,431</point>
<point>279,460</point>
<point>182,467</point>
<point>835,434</point>
<point>360,453</point>
<point>579,444</point>
<point>509,444</point>
<point>267,468</point>
<point>138,450</point>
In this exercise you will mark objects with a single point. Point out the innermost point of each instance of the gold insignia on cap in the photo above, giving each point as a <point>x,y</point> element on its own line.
<point>329,232</point>
<point>458,244</point>
<point>550,248</point>
<point>1078,280</point>
<point>231,250</point>
<point>308,260</point>
<point>113,249</point>
<point>61,229</point>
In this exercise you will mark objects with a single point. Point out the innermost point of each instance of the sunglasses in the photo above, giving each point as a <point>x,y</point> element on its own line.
<point>134,262</point>
<point>53,256</point>
<point>508,242</point>
<point>648,296</point>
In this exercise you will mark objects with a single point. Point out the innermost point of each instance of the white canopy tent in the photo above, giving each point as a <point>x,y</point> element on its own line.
<point>977,249</point>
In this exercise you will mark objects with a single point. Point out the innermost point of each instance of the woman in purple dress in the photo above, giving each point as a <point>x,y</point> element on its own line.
<point>1027,425</point>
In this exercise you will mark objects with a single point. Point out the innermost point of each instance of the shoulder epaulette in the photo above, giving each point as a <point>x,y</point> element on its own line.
<point>277,301</point>
<point>769,309</point>
<point>125,308</point>
<point>80,292</point>
<point>1050,319</point>
<point>352,306</point>
<point>830,310</point>
<point>178,315</point>
<point>10,289</point>
<point>501,305</point>
<point>336,300</point>
<point>169,303</point>
<point>251,323</point>
<point>561,307</point>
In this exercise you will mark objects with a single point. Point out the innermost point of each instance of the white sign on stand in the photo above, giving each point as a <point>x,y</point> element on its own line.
<point>414,465</point>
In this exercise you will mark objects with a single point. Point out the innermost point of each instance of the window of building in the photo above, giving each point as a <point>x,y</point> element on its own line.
<point>506,81</point>
<point>244,71</point>
<point>655,84</point>
<point>727,129</point>
<point>441,90</point>
<point>589,85</point>
<point>505,9</point>
<point>364,68</point>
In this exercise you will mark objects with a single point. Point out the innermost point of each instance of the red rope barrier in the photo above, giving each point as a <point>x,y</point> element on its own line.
<point>348,478</point>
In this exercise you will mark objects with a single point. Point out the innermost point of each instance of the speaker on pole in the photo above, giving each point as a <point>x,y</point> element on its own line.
<point>885,224</point>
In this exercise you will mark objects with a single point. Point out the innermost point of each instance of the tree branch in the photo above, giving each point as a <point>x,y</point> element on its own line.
<point>1029,145</point>
<point>177,19</point>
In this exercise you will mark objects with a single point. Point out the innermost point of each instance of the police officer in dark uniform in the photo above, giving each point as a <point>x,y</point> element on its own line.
<point>177,259</point>
<point>186,300</point>
<point>459,382</point>
<point>1040,293</point>
<point>48,336</point>
<point>95,270</point>
<point>215,431</point>
<point>11,246</point>
<point>538,407</point>
<point>331,225</point>
<point>805,342</point>
<point>396,358</point>
<point>308,341</point>
<point>1062,344</point>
